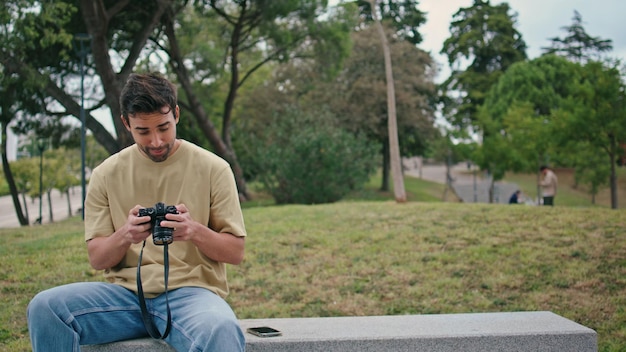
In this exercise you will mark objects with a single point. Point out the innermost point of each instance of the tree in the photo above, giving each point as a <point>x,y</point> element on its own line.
<point>590,166</point>
<point>65,171</point>
<point>598,115</point>
<point>359,95</point>
<point>356,96</point>
<point>402,15</point>
<point>36,62</point>
<point>305,157</point>
<point>245,26</point>
<point>578,46</point>
<point>131,35</point>
<point>20,94</point>
<point>392,124</point>
<point>25,173</point>
<point>39,51</point>
<point>485,37</point>
<point>517,116</point>
<point>8,175</point>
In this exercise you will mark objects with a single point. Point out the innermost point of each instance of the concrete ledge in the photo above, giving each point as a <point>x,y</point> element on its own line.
<point>139,345</point>
<point>474,332</point>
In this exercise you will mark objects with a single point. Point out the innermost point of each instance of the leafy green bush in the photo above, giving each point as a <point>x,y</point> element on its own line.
<point>306,159</point>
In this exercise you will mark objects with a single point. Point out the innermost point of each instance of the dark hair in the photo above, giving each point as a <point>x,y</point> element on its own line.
<point>147,93</point>
<point>543,167</point>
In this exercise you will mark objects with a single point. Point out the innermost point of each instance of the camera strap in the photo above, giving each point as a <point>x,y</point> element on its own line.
<point>152,329</point>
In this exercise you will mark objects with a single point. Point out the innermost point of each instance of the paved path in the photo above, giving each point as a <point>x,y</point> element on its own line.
<point>469,184</point>
<point>60,208</point>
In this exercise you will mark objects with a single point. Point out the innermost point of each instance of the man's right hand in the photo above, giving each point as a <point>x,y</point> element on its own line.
<point>137,227</point>
<point>107,251</point>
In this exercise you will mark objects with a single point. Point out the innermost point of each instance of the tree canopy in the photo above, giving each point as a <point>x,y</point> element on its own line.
<point>578,45</point>
<point>484,38</point>
<point>238,38</point>
<point>357,94</point>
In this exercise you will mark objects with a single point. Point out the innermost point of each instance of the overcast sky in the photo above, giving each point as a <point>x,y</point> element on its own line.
<point>537,20</point>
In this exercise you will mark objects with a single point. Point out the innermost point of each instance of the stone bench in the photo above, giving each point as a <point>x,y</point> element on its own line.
<point>471,332</point>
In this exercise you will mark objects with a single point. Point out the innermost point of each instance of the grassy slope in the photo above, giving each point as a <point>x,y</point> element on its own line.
<point>379,257</point>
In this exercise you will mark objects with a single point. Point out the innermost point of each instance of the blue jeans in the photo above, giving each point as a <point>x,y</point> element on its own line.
<point>65,317</point>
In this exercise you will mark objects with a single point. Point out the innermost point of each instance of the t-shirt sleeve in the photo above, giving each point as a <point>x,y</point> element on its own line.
<point>97,213</point>
<point>225,213</point>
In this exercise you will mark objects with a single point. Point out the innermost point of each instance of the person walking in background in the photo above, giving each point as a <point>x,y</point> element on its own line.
<point>548,185</point>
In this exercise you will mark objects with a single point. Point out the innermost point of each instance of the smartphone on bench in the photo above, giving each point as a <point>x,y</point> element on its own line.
<point>264,331</point>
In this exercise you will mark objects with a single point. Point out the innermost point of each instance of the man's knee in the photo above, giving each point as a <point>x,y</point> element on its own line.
<point>222,334</point>
<point>42,303</point>
<point>225,336</point>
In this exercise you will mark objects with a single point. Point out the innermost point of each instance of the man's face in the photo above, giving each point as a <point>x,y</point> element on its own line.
<point>154,133</point>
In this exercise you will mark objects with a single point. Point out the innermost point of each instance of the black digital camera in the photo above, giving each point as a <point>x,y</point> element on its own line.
<point>160,235</point>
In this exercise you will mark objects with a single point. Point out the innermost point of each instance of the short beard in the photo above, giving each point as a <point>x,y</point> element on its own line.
<point>158,158</point>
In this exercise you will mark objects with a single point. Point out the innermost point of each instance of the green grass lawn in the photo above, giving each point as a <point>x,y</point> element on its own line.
<point>373,257</point>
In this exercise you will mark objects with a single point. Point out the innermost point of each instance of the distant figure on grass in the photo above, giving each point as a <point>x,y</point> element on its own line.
<point>516,198</point>
<point>548,185</point>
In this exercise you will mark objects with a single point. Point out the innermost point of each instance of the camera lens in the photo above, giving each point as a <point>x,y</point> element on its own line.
<point>162,235</point>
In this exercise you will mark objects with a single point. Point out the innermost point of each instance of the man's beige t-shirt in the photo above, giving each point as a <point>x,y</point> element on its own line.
<point>194,176</point>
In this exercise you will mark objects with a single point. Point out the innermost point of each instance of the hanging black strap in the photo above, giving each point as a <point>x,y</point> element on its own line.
<point>153,330</point>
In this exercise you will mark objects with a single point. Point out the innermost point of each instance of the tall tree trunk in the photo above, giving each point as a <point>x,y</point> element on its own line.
<point>593,198</point>
<point>384,186</point>
<point>25,209</point>
<point>234,82</point>
<point>392,124</point>
<point>69,203</point>
<point>49,194</point>
<point>539,193</point>
<point>9,178</point>
<point>613,180</point>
